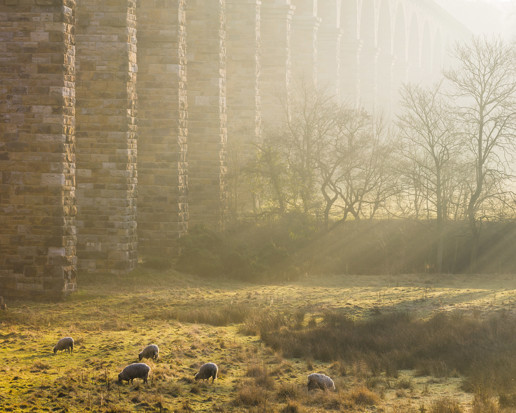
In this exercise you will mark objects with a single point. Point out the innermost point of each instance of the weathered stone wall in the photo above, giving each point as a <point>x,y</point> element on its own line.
<point>329,37</point>
<point>276,63</point>
<point>106,135</point>
<point>243,98</point>
<point>305,25</point>
<point>162,126</point>
<point>37,147</point>
<point>207,133</point>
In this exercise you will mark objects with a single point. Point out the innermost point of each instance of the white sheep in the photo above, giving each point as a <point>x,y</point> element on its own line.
<point>149,352</point>
<point>65,343</point>
<point>320,381</point>
<point>207,371</point>
<point>134,371</point>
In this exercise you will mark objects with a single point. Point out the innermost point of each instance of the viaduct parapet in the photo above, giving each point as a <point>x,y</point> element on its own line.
<point>119,118</point>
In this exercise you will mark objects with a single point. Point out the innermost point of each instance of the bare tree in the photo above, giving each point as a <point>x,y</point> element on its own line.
<point>267,176</point>
<point>307,130</point>
<point>286,169</point>
<point>484,93</point>
<point>326,157</point>
<point>431,148</point>
<point>362,180</point>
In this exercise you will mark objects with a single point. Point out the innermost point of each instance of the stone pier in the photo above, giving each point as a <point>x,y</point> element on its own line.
<point>305,25</point>
<point>207,133</point>
<point>37,148</point>
<point>243,98</point>
<point>162,126</point>
<point>329,38</point>
<point>106,135</point>
<point>276,63</point>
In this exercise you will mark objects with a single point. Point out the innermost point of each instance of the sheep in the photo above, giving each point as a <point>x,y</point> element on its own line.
<point>65,344</point>
<point>134,371</point>
<point>149,352</point>
<point>320,381</point>
<point>206,371</point>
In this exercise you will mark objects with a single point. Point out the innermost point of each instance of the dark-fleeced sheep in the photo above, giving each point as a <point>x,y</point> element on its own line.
<point>65,344</point>
<point>149,352</point>
<point>134,371</point>
<point>320,381</point>
<point>207,371</point>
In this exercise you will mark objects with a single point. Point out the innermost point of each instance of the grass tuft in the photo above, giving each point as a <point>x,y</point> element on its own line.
<point>445,405</point>
<point>364,397</point>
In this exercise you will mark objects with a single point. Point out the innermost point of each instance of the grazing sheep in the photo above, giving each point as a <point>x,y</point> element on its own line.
<point>134,371</point>
<point>320,381</point>
<point>149,352</point>
<point>206,371</point>
<point>65,343</point>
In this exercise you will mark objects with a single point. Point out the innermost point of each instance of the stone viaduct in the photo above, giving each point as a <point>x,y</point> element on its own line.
<point>116,115</point>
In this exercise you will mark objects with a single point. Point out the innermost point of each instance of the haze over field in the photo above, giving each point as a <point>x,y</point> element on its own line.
<point>484,16</point>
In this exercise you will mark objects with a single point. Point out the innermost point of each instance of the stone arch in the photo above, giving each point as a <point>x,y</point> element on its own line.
<point>367,23</point>
<point>438,52</point>
<point>338,11</point>
<point>330,14</point>
<point>426,54</point>
<point>349,19</point>
<point>385,58</point>
<point>414,51</point>
<point>384,40</point>
<point>400,35</point>
<point>349,51</point>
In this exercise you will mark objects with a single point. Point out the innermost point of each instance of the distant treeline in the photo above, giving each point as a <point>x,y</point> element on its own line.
<point>409,246</point>
<point>295,245</point>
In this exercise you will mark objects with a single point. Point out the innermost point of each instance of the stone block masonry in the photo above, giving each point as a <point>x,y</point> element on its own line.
<point>162,126</point>
<point>305,25</point>
<point>37,147</point>
<point>276,61</point>
<point>106,135</point>
<point>243,99</point>
<point>207,133</point>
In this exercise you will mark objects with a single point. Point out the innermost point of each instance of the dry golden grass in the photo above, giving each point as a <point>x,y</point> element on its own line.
<point>195,321</point>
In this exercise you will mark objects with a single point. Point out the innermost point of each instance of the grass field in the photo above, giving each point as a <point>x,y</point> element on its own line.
<point>195,321</point>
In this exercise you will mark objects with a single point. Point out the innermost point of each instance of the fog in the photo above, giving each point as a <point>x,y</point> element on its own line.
<point>490,17</point>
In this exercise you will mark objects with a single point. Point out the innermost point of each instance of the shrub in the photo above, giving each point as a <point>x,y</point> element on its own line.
<point>292,407</point>
<point>250,395</point>
<point>364,397</point>
<point>215,316</point>
<point>261,376</point>
<point>246,251</point>
<point>445,405</point>
<point>481,349</point>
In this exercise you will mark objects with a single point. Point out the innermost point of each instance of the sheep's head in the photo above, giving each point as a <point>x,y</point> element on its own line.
<point>140,356</point>
<point>55,349</point>
<point>197,376</point>
<point>120,377</point>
